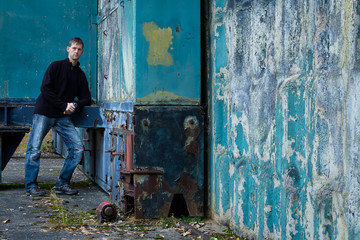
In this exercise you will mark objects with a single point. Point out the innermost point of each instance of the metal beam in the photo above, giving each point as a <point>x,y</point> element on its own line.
<point>21,115</point>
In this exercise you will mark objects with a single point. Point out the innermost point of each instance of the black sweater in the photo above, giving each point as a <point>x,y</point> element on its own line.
<point>61,84</point>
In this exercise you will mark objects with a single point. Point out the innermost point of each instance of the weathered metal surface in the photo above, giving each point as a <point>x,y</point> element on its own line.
<point>167,52</point>
<point>106,212</point>
<point>35,33</point>
<point>284,116</point>
<point>163,164</point>
<point>115,139</point>
<point>147,54</point>
<point>21,115</point>
<point>116,61</point>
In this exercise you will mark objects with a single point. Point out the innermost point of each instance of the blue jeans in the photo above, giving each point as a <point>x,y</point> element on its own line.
<point>66,129</point>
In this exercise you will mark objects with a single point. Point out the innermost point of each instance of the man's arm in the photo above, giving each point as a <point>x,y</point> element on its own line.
<point>84,95</point>
<point>48,91</point>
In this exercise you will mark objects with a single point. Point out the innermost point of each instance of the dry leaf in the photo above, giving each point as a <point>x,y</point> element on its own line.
<point>7,220</point>
<point>187,233</point>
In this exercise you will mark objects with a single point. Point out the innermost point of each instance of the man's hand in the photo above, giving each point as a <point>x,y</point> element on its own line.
<point>70,108</point>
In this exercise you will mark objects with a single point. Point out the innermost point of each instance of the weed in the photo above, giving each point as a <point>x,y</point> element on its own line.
<point>46,146</point>
<point>192,219</point>
<point>169,222</point>
<point>226,235</point>
<point>64,218</point>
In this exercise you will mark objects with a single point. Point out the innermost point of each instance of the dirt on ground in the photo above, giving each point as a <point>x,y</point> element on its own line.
<point>74,217</point>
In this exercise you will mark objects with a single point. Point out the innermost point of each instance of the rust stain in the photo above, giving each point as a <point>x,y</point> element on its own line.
<point>193,147</point>
<point>192,131</point>
<point>146,185</point>
<point>96,122</point>
<point>189,188</point>
<point>150,183</point>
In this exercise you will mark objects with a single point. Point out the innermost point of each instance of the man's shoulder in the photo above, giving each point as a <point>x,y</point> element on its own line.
<point>59,62</point>
<point>57,65</point>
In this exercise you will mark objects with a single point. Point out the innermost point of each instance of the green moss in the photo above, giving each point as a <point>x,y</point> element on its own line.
<point>158,237</point>
<point>4,186</point>
<point>46,185</point>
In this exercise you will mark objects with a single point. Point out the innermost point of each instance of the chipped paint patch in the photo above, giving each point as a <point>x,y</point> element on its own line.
<point>165,96</point>
<point>159,40</point>
<point>284,116</point>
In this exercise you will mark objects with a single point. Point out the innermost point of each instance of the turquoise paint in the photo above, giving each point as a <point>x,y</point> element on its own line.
<point>221,56</point>
<point>296,131</point>
<point>288,82</point>
<point>226,182</point>
<point>310,126</point>
<point>242,145</point>
<point>310,58</point>
<point>182,76</point>
<point>266,173</point>
<point>249,196</point>
<point>279,132</point>
<point>222,167</point>
<point>35,33</point>
<point>237,205</point>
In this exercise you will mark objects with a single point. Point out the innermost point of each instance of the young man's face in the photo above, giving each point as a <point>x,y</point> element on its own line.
<point>75,51</point>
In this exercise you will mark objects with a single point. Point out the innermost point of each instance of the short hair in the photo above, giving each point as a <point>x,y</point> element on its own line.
<point>76,40</point>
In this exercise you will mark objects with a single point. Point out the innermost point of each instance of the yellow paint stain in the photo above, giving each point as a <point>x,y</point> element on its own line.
<point>164,96</point>
<point>160,40</point>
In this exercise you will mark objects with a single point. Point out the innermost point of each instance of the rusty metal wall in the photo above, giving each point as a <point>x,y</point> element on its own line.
<point>149,55</point>
<point>168,159</point>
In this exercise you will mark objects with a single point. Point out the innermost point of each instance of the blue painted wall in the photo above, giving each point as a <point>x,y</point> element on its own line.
<point>35,33</point>
<point>167,52</point>
<point>284,118</point>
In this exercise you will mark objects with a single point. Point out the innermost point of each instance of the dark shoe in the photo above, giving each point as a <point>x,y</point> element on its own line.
<point>65,190</point>
<point>35,191</point>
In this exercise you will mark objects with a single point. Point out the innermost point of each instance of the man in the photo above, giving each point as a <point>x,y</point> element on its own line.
<point>64,89</point>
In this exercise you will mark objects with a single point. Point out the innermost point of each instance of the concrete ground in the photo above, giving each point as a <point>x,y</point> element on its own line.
<point>74,217</point>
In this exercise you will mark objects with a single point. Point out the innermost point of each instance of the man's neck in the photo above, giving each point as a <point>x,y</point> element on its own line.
<point>73,62</point>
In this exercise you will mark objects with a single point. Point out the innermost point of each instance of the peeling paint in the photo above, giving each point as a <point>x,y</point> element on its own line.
<point>283,116</point>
